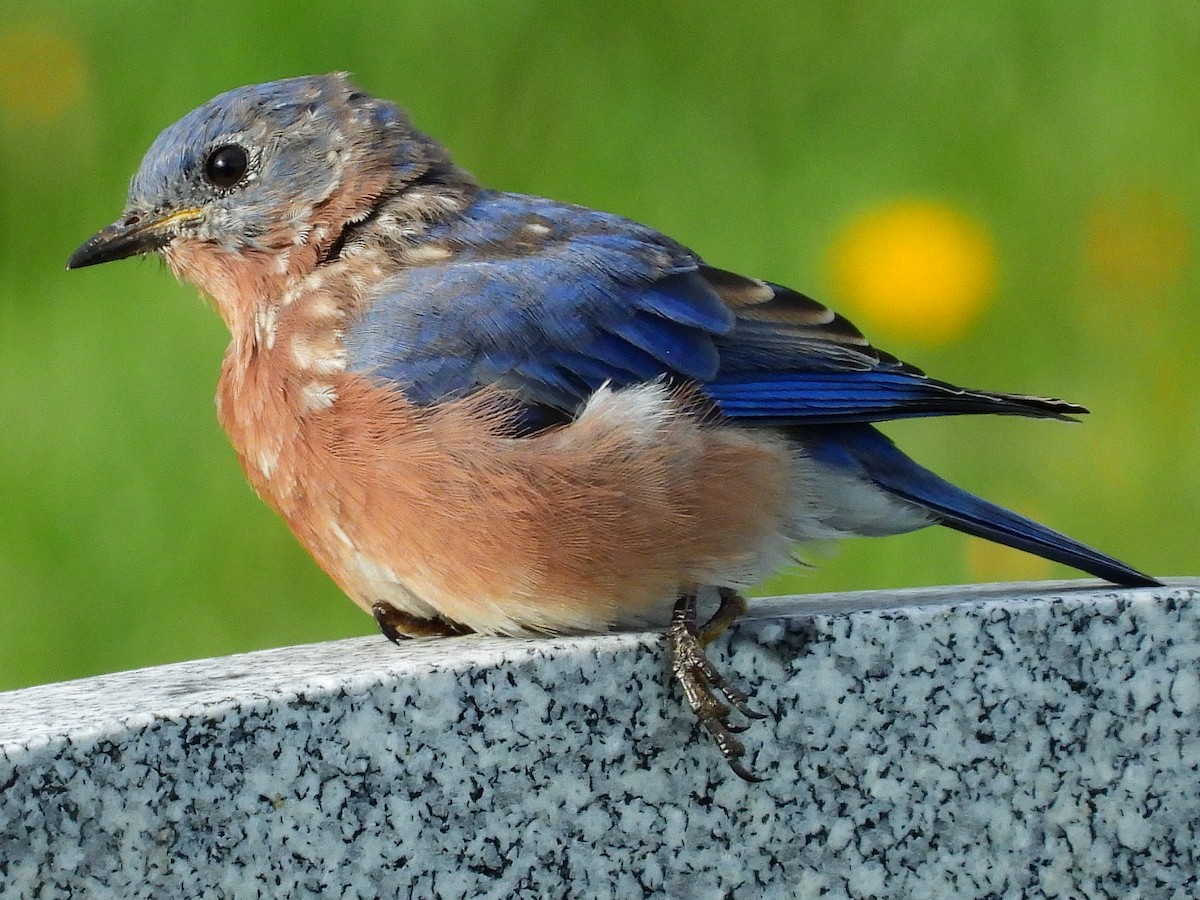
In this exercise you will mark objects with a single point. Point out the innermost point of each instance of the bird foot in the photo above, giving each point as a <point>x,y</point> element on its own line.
<point>399,626</point>
<point>700,680</point>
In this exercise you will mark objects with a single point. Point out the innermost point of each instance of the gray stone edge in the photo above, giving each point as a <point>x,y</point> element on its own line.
<point>106,704</point>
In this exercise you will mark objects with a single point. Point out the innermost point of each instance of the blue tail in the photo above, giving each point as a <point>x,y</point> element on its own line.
<point>879,460</point>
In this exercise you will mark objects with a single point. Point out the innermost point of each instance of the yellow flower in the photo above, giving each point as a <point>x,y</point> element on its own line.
<point>915,269</point>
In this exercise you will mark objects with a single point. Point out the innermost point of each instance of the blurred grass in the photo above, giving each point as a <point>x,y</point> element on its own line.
<point>755,135</point>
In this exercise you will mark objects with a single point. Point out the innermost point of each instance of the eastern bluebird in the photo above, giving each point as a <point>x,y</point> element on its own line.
<point>490,412</point>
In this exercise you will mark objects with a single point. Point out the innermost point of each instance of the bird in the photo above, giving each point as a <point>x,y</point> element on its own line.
<point>490,412</point>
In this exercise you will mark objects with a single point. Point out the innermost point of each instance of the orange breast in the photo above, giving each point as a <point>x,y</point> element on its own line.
<point>598,523</point>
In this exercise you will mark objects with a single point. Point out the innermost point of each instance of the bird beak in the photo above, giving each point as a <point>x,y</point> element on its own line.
<point>129,236</point>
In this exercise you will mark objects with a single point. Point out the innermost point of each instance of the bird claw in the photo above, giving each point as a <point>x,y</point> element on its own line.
<point>701,682</point>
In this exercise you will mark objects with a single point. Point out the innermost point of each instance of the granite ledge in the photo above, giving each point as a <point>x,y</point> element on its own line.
<point>1006,740</point>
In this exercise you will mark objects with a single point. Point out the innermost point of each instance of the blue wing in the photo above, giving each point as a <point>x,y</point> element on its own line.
<point>546,300</point>
<point>550,301</point>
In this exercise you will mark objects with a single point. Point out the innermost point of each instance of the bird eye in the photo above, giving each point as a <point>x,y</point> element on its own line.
<point>226,165</point>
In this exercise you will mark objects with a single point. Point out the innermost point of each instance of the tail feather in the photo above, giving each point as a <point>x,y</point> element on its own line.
<point>891,470</point>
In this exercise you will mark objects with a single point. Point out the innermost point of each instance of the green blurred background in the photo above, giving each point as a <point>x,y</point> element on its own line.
<point>757,134</point>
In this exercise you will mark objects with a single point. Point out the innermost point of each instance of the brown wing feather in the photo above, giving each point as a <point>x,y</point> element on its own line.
<point>795,317</point>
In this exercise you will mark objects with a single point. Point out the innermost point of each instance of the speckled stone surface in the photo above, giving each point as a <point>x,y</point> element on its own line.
<point>1019,741</point>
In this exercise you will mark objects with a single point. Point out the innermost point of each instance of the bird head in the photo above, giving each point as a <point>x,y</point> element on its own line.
<point>266,176</point>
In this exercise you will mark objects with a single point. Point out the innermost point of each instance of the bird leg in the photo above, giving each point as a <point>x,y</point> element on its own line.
<point>700,680</point>
<point>398,626</point>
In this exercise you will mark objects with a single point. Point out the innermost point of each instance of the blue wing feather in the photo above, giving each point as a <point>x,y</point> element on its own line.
<point>857,396</point>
